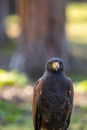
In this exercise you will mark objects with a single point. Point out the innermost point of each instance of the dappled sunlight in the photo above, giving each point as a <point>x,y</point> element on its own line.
<point>76,12</point>
<point>80,96</point>
<point>76,22</point>
<point>13,78</point>
<point>13,30</point>
<point>77,33</point>
<point>81,86</point>
<point>12,26</point>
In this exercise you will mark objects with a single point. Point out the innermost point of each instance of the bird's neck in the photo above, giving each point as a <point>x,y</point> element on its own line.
<point>60,73</point>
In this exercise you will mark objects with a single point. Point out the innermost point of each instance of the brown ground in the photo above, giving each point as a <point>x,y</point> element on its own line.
<point>16,94</point>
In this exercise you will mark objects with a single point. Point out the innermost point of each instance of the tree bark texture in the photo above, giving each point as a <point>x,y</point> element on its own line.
<point>43,33</point>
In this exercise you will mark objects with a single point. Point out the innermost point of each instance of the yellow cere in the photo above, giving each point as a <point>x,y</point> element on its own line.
<point>55,65</point>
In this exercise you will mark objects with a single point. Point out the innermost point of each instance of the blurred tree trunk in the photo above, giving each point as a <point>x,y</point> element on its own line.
<point>3,14</point>
<point>43,33</point>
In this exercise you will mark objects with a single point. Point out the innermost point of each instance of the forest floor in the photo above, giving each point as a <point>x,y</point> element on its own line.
<point>25,94</point>
<point>16,109</point>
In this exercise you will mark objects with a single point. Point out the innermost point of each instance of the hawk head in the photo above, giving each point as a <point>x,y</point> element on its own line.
<point>54,65</point>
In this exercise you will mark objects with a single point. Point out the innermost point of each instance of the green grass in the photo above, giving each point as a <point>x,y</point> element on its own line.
<point>22,126</point>
<point>78,120</point>
<point>15,116</point>
<point>76,77</point>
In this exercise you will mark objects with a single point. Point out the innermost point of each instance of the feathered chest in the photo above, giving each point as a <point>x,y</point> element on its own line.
<point>53,92</point>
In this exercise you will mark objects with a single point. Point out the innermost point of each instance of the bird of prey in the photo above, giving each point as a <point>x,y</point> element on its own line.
<point>52,98</point>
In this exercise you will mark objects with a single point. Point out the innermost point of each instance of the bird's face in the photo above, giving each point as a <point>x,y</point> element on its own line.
<point>54,65</point>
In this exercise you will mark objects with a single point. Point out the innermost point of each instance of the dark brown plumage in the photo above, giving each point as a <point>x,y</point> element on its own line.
<point>52,98</point>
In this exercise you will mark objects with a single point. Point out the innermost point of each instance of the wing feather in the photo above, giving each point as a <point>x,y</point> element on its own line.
<point>36,106</point>
<point>70,96</point>
<point>70,91</point>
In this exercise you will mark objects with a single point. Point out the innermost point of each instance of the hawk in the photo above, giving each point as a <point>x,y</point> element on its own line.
<point>52,98</point>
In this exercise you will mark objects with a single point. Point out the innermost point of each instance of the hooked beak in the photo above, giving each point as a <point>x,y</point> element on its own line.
<point>55,66</point>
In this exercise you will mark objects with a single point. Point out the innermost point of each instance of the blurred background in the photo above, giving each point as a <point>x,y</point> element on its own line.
<point>31,32</point>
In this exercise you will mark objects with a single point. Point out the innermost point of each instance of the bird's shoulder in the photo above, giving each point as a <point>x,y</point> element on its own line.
<point>70,91</point>
<point>69,84</point>
<point>37,86</point>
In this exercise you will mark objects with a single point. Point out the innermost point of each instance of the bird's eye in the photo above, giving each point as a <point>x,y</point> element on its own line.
<point>51,63</point>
